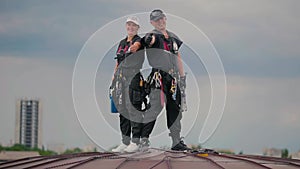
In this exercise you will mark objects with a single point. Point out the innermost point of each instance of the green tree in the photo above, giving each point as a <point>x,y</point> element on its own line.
<point>20,147</point>
<point>226,151</point>
<point>196,147</point>
<point>72,151</point>
<point>47,152</point>
<point>285,153</point>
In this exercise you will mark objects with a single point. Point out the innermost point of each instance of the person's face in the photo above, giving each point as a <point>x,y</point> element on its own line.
<point>132,28</point>
<point>160,24</point>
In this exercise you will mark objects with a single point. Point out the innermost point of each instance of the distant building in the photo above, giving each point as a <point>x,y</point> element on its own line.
<point>296,155</point>
<point>89,148</point>
<point>28,123</point>
<point>273,152</point>
<point>56,147</point>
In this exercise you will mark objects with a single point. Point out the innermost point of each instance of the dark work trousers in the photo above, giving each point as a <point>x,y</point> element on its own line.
<point>129,116</point>
<point>173,113</point>
<point>132,118</point>
<point>151,114</point>
<point>125,127</point>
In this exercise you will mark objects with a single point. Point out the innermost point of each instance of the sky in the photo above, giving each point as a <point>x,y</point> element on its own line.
<point>257,41</point>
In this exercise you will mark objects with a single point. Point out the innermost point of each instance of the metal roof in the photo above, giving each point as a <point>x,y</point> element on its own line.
<point>13,155</point>
<point>154,158</point>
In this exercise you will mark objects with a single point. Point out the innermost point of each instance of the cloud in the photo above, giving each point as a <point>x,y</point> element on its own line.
<point>252,37</point>
<point>260,112</point>
<point>47,29</point>
<point>257,42</point>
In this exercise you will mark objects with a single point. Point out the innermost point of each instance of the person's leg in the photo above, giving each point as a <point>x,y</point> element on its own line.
<point>136,134</point>
<point>156,106</point>
<point>134,105</point>
<point>174,115</point>
<point>125,127</point>
<point>172,105</point>
<point>147,129</point>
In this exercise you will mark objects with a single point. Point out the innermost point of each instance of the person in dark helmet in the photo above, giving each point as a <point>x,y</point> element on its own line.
<point>167,74</point>
<point>127,89</point>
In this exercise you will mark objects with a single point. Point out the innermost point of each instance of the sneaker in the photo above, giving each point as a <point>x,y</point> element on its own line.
<point>132,147</point>
<point>120,148</point>
<point>144,145</point>
<point>180,146</point>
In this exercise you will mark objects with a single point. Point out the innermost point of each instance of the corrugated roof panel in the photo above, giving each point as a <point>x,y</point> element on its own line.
<point>154,158</point>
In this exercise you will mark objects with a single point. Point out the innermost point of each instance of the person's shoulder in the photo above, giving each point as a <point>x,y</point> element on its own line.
<point>136,38</point>
<point>123,40</point>
<point>173,35</point>
<point>154,31</point>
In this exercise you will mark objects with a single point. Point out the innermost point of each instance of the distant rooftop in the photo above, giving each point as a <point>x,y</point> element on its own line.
<point>154,158</point>
<point>14,155</point>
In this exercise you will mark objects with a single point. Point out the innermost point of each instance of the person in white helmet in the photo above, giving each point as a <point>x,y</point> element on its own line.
<point>130,99</point>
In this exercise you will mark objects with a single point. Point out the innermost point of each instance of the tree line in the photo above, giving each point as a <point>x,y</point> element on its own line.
<point>41,151</point>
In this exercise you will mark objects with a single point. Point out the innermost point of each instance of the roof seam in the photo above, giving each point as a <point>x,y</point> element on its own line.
<point>246,160</point>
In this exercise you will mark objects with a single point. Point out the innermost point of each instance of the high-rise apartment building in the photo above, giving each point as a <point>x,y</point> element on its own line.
<point>28,123</point>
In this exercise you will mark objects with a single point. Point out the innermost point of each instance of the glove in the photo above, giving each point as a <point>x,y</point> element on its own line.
<point>120,58</point>
<point>148,38</point>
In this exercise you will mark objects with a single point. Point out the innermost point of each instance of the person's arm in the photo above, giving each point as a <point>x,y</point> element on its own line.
<point>149,39</point>
<point>135,46</point>
<point>115,69</point>
<point>116,66</point>
<point>180,65</point>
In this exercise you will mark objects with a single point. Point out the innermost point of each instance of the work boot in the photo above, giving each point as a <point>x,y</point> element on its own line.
<point>178,143</point>
<point>144,145</point>
<point>181,146</point>
<point>132,147</point>
<point>120,148</point>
